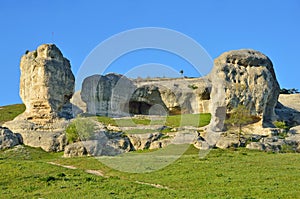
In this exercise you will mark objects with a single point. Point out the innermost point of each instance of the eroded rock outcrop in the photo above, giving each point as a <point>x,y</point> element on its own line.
<point>8,139</point>
<point>182,95</point>
<point>243,77</point>
<point>146,100</point>
<point>46,86</point>
<point>288,109</point>
<point>107,95</point>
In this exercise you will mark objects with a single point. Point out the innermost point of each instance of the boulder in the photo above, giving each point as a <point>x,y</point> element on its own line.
<point>102,144</point>
<point>143,141</point>
<point>107,95</point>
<point>50,137</point>
<point>243,77</point>
<point>256,146</point>
<point>8,139</point>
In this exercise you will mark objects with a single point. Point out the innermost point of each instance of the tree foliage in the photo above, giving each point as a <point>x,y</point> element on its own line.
<point>239,117</point>
<point>289,91</point>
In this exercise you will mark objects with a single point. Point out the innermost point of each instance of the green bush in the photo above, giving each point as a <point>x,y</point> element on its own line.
<point>281,125</point>
<point>192,86</point>
<point>80,129</point>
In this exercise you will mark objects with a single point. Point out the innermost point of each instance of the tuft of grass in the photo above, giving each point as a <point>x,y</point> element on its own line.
<point>9,112</point>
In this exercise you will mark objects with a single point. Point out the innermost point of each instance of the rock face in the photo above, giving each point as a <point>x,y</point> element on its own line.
<point>8,139</point>
<point>107,95</point>
<point>288,109</point>
<point>181,95</point>
<point>102,144</point>
<point>243,77</point>
<point>46,84</point>
<point>146,100</point>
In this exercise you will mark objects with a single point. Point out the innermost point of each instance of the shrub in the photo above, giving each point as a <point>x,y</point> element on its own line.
<point>80,129</point>
<point>192,86</point>
<point>281,125</point>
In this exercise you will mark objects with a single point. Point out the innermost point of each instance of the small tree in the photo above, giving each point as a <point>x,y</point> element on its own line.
<point>181,72</point>
<point>239,117</point>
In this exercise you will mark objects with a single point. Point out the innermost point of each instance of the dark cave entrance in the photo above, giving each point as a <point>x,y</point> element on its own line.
<point>139,108</point>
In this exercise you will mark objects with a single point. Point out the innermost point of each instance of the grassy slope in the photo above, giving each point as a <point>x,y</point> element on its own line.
<point>9,112</point>
<point>222,174</point>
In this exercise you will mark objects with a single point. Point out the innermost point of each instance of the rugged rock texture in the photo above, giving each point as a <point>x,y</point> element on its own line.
<point>146,100</point>
<point>143,141</point>
<point>107,95</point>
<point>50,137</point>
<point>102,144</point>
<point>78,106</point>
<point>181,95</point>
<point>46,84</point>
<point>288,109</point>
<point>8,139</point>
<point>243,77</point>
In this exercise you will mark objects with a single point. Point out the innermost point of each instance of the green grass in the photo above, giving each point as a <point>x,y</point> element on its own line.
<point>221,174</point>
<point>195,120</point>
<point>9,112</point>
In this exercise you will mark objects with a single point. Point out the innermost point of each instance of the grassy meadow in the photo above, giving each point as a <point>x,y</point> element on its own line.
<point>27,172</point>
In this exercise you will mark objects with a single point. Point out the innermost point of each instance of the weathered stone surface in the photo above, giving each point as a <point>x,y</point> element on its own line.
<point>146,100</point>
<point>182,95</point>
<point>50,136</point>
<point>78,106</point>
<point>256,146</point>
<point>102,144</point>
<point>288,109</point>
<point>107,95</point>
<point>227,142</point>
<point>46,84</point>
<point>8,139</point>
<point>143,141</point>
<point>243,77</point>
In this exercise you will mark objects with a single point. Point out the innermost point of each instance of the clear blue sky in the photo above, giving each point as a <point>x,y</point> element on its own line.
<point>77,27</point>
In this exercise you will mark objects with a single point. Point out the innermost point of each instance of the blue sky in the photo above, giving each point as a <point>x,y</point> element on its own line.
<point>77,27</point>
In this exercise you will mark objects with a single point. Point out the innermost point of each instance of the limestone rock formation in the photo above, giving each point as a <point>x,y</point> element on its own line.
<point>146,100</point>
<point>46,83</point>
<point>8,139</point>
<point>243,77</point>
<point>288,109</point>
<point>107,95</point>
<point>102,144</point>
<point>46,86</point>
<point>181,95</point>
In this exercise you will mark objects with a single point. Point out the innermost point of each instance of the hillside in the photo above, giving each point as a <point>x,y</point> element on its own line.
<point>9,112</point>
